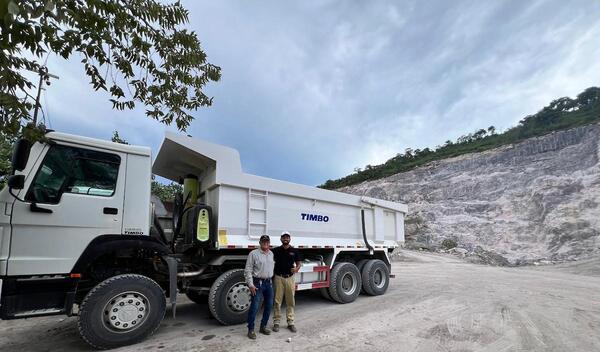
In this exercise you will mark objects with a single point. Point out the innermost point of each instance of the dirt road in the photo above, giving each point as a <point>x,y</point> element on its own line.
<point>435,303</point>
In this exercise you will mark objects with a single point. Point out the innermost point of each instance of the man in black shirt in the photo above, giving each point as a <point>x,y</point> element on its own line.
<point>287,263</point>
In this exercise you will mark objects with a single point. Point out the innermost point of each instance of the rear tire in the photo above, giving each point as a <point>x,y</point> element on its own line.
<point>345,283</point>
<point>360,265</point>
<point>229,298</point>
<point>375,277</point>
<point>120,311</point>
<point>325,293</point>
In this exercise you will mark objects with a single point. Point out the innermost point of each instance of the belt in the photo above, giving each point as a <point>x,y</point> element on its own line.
<point>261,279</point>
<point>285,276</point>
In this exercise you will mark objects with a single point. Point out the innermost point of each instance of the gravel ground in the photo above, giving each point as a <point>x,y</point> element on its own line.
<point>435,303</point>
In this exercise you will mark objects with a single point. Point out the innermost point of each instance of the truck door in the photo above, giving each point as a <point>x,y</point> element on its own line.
<point>74,195</point>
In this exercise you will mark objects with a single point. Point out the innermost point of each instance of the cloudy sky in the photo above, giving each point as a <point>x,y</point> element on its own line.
<point>312,89</point>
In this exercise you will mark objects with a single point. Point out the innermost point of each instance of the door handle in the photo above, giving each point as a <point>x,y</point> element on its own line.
<point>34,208</point>
<point>111,211</point>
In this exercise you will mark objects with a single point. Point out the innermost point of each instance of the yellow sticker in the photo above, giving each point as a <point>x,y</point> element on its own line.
<point>202,231</point>
<point>222,237</point>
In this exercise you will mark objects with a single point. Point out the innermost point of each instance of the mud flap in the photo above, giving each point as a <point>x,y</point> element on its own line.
<point>172,264</point>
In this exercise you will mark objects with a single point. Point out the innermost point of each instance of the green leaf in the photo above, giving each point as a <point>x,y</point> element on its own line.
<point>135,49</point>
<point>13,8</point>
<point>49,6</point>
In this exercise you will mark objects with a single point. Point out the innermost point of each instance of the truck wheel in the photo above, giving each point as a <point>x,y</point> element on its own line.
<point>375,277</point>
<point>196,297</point>
<point>121,310</point>
<point>229,298</point>
<point>325,293</point>
<point>345,283</point>
<point>360,265</point>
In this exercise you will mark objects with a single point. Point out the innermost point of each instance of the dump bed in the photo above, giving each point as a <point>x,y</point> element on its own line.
<point>247,206</point>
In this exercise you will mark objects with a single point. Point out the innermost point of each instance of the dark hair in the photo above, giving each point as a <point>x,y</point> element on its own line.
<point>264,238</point>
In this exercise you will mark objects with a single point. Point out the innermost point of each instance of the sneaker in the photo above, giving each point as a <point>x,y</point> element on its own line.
<point>292,328</point>
<point>265,330</point>
<point>252,334</point>
<point>275,327</point>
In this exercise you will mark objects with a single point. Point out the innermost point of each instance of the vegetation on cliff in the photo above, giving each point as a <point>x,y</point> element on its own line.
<point>560,114</point>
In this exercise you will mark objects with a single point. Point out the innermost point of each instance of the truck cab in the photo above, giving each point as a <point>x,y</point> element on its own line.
<point>74,190</point>
<point>77,210</point>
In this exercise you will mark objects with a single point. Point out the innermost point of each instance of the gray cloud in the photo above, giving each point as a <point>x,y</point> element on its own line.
<point>312,89</point>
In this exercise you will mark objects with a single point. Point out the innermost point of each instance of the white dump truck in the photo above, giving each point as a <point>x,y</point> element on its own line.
<point>78,235</point>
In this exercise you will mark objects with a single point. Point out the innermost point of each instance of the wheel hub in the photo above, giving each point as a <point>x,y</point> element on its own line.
<point>379,278</point>
<point>348,283</point>
<point>125,311</point>
<point>238,297</point>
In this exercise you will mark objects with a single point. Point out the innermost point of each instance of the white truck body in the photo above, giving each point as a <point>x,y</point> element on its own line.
<point>248,206</point>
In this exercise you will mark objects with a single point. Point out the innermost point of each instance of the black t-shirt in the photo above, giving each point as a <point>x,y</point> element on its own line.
<point>285,259</point>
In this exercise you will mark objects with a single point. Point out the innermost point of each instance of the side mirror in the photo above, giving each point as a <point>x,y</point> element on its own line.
<point>16,182</point>
<point>20,154</point>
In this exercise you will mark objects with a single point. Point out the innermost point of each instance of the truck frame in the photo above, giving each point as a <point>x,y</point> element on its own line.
<point>79,235</point>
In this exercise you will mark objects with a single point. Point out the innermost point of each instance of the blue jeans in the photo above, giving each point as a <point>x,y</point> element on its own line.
<point>264,288</point>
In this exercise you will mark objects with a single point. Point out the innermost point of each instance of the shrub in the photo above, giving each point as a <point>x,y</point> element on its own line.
<point>449,243</point>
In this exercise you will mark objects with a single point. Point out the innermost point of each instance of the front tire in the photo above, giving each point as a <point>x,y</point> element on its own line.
<point>120,311</point>
<point>229,298</point>
<point>345,283</point>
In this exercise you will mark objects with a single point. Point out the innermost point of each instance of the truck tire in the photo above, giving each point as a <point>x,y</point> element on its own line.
<point>196,297</point>
<point>360,265</point>
<point>229,298</point>
<point>325,293</point>
<point>375,277</point>
<point>345,283</point>
<point>120,311</point>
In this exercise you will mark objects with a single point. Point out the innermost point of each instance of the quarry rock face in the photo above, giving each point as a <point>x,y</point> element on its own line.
<point>518,204</point>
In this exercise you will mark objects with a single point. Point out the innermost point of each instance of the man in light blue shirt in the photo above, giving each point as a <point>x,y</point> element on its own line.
<point>258,274</point>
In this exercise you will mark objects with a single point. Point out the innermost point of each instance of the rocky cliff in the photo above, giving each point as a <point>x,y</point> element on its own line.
<point>533,201</point>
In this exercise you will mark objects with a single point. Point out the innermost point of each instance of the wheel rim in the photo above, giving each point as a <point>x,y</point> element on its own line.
<point>379,278</point>
<point>348,284</point>
<point>238,297</point>
<point>125,312</point>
